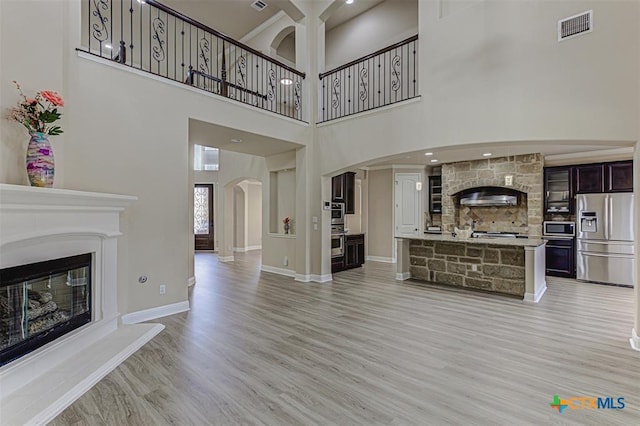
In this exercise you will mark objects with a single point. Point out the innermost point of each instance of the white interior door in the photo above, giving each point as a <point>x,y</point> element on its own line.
<point>407,204</point>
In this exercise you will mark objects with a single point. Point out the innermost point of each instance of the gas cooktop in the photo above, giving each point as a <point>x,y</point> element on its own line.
<point>489,234</point>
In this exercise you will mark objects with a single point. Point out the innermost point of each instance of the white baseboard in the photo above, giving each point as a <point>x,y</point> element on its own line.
<point>225,258</point>
<point>191,281</point>
<point>35,405</point>
<point>251,248</point>
<point>635,340</point>
<point>381,259</point>
<point>279,271</point>
<point>402,276</point>
<point>153,313</point>
<point>316,278</point>
<point>535,298</point>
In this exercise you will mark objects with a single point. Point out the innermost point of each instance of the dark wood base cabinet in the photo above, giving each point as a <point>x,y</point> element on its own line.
<point>353,254</point>
<point>560,258</point>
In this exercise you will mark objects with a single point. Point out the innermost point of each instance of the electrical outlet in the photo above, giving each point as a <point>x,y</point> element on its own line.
<point>474,268</point>
<point>163,289</point>
<point>286,261</point>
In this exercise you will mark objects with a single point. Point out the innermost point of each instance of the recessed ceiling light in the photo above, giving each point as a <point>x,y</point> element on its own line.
<point>434,161</point>
<point>234,140</point>
<point>286,81</point>
<point>348,1</point>
<point>428,153</point>
<point>487,154</point>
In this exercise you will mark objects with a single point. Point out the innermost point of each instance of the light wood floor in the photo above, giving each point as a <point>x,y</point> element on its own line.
<point>258,348</point>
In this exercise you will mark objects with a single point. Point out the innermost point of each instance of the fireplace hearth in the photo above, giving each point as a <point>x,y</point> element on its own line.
<point>42,301</point>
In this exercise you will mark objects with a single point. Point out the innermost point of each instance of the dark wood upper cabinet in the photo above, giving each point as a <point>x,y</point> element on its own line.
<point>350,193</point>
<point>558,187</point>
<point>344,191</point>
<point>618,176</point>
<point>337,189</point>
<point>589,178</point>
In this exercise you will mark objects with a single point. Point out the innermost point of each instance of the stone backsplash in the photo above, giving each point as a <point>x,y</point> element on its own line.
<point>495,219</point>
<point>497,268</point>
<point>525,218</point>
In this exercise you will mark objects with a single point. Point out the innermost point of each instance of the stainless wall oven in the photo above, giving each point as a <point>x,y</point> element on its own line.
<point>337,245</point>
<point>560,249</point>
<point>337,213</point>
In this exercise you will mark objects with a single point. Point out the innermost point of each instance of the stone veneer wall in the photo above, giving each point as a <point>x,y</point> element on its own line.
<point>527,177</point>
<point>499,268</point>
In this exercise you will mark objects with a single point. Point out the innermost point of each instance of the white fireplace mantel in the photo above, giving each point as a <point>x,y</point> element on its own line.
<point>38,224</point>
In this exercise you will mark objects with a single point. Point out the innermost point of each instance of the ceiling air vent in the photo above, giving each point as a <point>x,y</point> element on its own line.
<point>575,25</point>
<point>258,5</point>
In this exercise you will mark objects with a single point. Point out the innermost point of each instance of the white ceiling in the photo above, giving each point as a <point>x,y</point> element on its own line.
<point>349,11</point>
<point>234,18</point>
<point>556,152</point>
<point>216,136</point>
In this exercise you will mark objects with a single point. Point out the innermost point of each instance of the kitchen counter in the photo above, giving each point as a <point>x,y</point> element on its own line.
<point>512,266</point>
<point>518,242</point>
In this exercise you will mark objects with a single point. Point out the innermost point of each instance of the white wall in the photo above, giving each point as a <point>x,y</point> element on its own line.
<point>124,133</point>
<point>239,218</point>
<point>254,215</point>
<point>21,62</point>
<point>383,25</point>
<point>262,39</point>
<point>286,199</point>
<point>379,239</point>
<point>495,72</point>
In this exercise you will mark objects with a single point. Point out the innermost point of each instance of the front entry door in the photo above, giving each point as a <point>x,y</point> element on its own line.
<point>203,216</point>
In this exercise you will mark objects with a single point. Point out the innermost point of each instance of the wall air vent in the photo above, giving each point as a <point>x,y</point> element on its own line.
<point>575,25</point>
<point>258,5</point>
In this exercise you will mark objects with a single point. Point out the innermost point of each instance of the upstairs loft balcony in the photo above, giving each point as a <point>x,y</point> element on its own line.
<point>149,36</point>
<point>381,78</point>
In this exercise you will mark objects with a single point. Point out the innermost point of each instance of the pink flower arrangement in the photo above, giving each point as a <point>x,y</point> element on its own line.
<point>39,113</point>
<point>286,220</point>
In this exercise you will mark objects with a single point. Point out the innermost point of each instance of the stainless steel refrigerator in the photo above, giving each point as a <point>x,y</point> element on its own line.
<point>605,230</point>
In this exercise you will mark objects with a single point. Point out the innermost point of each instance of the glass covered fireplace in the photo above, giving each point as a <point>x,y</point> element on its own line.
<point>42,301</point>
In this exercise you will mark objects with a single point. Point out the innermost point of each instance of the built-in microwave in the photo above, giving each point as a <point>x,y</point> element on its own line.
<point>551,228</point>
<point>337,213</point>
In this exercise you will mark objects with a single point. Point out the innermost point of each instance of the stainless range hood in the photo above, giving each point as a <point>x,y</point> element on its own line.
<point>489,196</point>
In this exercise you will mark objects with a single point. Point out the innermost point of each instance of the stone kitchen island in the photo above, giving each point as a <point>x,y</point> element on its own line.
<point>510,266</point>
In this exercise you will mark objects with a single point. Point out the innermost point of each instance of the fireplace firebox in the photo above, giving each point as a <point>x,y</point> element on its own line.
<point>42,301</point>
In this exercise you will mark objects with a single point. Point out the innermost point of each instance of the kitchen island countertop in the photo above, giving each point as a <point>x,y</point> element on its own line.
<point>516,242</point>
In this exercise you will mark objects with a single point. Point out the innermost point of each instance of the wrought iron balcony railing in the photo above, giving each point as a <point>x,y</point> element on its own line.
<point>152,37</point>
<point>382,78</point>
